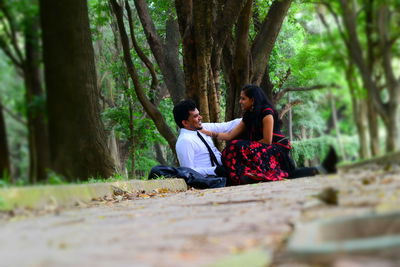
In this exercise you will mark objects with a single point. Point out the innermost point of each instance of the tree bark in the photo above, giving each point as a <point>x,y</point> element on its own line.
<point>266,38</point>
<point>257,56</point>
<point>360,112</point>
<point>240,72</point>
<point>159,154</point>
<point>202,24</point>
<point>373,127</point>
<point>336,126</point>
<point>77,137</point>
<point>184,11</point>
<point>4,152</point>
<point>166,55</point>
<point>204,28</point>
<point>392,82</point>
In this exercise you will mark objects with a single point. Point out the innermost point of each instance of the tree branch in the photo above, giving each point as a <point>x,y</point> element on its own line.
<point>173,74</point>
<point>227,18</point>
<point>7,51</point>
<point>13,115</point>
<point>13,29</point>
<point>338,24</point>
<point>150,109</point>
<point>142,56</point>
<point>384,44</point>
<point>355,51</point>
<point>282,92</point>
<point>266,37</point>
<point>284,79</point>
<point>288,107</point>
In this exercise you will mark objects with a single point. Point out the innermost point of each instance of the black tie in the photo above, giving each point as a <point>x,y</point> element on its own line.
<point>213,158</point>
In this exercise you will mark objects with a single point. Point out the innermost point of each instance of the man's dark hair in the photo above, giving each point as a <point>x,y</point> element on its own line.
<point>182,110</point>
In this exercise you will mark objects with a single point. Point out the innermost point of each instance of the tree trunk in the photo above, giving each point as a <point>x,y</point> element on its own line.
<point>266,38</point>
<point>290,119</point>
<point>131,139</point>
<point>373,128</point>
<point>388,109</point>
<point>392,142</point>
<point>159,154</point>
<point>362,128</point>
<point>336,126</point>
<point>240,73</point>
<point>202,23</point>
<point>384,17</point>
<point>77,138</point>
<point>39,151</point>
<point>112,143</point>
<point>4,153</point>
<point>166,55</point>
<point>256,59</point>
<point>360,112</point>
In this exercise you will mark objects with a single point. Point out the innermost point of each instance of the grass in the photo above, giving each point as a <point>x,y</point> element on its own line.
<point>56,179</point>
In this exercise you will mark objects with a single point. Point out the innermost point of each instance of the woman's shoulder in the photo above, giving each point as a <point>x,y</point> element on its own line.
<point>267,110</point>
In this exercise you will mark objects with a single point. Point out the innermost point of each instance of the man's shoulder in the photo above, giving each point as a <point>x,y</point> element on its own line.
<point>184,138</point>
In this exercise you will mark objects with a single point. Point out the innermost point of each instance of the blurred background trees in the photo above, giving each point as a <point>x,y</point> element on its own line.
<point>331,67</point>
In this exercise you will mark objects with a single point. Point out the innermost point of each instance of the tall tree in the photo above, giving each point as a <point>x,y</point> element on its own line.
<point>5,158</point>
<point>77,137</point>
<point>26,60</point>
<point>216,37</point>
<point>358,94</point>
<point>165,51</point>
<point>386,38</point>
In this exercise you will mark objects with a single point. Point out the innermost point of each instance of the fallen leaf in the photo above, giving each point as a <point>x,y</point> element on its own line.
<point>161,190</point>
<point>328,195</point>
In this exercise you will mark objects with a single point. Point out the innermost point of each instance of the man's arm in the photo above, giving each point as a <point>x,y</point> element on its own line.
<point>185,153</point>
<point>222,127</point>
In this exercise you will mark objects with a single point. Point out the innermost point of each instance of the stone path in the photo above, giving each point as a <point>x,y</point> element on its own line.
<point>194,228</point>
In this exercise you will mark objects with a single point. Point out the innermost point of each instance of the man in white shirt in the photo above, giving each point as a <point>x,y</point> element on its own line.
<point>192,152</point>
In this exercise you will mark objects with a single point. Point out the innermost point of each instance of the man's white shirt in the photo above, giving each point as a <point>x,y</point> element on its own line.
<point>193,153</point>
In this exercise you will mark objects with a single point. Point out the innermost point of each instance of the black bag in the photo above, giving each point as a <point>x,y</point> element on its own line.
<point>191,177</point>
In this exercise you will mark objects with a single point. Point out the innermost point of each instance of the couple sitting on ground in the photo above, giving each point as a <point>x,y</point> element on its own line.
<point>257,151</point>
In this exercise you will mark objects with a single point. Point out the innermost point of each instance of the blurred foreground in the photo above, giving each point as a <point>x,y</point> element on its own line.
<point>246,225</point>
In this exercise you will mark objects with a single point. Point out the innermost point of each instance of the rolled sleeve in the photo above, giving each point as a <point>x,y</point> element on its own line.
<point>222,127</point>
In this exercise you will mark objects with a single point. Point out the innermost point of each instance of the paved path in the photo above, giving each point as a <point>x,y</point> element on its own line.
<point>194,228</point>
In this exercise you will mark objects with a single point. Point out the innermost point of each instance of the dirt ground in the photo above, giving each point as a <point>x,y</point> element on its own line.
<point>197,227</point>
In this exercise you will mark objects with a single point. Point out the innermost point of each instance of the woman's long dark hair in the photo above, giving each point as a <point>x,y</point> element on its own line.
<point>252,118</point>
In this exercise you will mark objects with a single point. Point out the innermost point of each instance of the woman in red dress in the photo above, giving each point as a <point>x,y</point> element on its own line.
<point>261,153</point>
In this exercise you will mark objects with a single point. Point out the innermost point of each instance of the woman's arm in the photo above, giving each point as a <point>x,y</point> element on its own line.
<point>268,126</point>
<point>226,136</point>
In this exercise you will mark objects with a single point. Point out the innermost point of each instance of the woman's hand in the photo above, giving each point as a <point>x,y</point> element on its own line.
<point>209,133</point>
<point>226,136</point>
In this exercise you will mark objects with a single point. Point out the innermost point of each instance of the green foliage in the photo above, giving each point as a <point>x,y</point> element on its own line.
<point>317,148</point>
<point>2,202</point>
<point>12,97</point>
<point>100,17</point>
<point>4,183</point>
<point>116,178</point>
<point>303,46</point>
<point>54,178</point>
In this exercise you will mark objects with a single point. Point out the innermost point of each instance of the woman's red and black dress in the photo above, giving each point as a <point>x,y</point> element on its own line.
<point>249,161</point>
